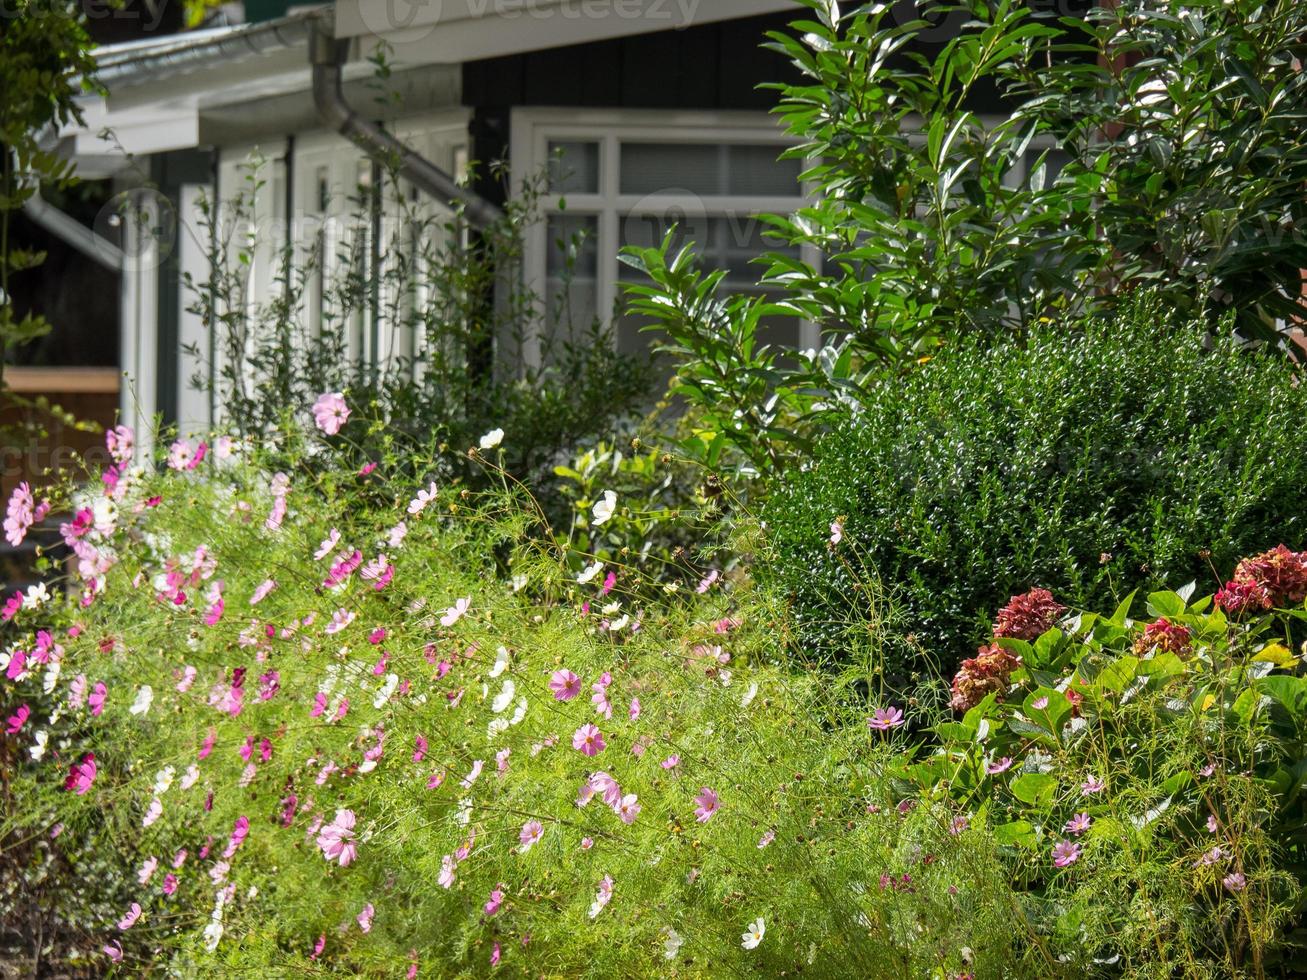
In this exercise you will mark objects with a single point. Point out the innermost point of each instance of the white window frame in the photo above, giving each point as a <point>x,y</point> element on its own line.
<point>533,129</point>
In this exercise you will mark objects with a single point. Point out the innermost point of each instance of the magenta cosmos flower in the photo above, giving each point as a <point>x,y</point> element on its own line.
<point>82,775</point>
<point>708,805</point>
<point>1065,853</point>
<point>565,685</point>
<point>330,412</point>
<point>883,719</point>
<point>588,740</point>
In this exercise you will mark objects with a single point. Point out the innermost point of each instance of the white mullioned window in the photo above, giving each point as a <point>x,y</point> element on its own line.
<point>622,178</point>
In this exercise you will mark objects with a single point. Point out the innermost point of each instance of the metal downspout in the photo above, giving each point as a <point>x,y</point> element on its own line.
<point>328,56</point>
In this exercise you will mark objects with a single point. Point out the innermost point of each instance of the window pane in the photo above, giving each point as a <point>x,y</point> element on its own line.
<point>571,274</point>
<point>574,168</point>
<point>710,169</point>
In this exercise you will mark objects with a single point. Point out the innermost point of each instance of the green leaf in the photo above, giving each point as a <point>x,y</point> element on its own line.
<point>1034,788</point>
<point>1016,832</point>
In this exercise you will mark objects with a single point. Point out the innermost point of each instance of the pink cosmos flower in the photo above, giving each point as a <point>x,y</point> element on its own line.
<point>19,515</point>
<point>588,740</point>
<point>416,506</point>
<point>82,775</point>
<point>189,674</point>
<point>447,867</point>
<point>1092,785</point>
<point>472,775</point>
<point>1002,765</point>
<point>1078,824</point>
<point>1234,882</point>
<point>603,897</point>
<point>114,951</point>
<point>129,920</point>
<point>708,804</point>
<point>565,685</point>
<point>494,955</point>
<point>958,824</point>
<point>628,808</point>
<point>530,835</point>
<point>420,749</point>
<point>836,532</point>
<point>330,412</point>
<point>496,900</point>
<point>364,918</point>
<point>328,545</point>
<point>634,713</point>
<point>319,946</point>
<point>456,612</point>
<point>606,786</point>
<point>169,884</point>
<point>1065,853</point>
<point>766,839</point>
<point>883,719</point>
<point>1214,856</point>
<point>336,839</point>
<point>340,619</point>
<point>587,843</point>
<point>600,697</point>
<point>1212,825</point>
<point>262,591</point>
<point>671,762</point>
<point>97,698</point>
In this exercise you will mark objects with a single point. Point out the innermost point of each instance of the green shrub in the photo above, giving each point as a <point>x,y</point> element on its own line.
<point>1077,460</point>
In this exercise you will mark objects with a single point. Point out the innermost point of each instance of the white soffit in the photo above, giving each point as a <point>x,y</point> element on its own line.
<point>451,31</point>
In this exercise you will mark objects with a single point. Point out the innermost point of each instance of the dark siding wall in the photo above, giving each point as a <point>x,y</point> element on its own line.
<point>713,66</point>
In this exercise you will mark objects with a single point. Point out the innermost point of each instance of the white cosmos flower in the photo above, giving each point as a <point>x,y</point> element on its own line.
<point>386,690</point>
<point>753,937</point>
<point>603,511</point>
<point>51,678</point>
<point>37,749</point>
<point>37,596</point>
<point>589,572</point>
<point>672,943</point>
<point>519,582</point>
<point>163,780</point>
<point>492,438</point>
<point>520,713</point>
<point>749,695</point>
<point>144,698</point>
<point>505,696</point>
<point>501,662</point>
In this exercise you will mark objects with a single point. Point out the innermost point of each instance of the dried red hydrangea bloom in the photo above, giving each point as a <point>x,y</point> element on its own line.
<point>987,671</point>
<point>1281,572</point>
<point>1028,617</point>
<point>1237,598</point>
<point>1165,637</point>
